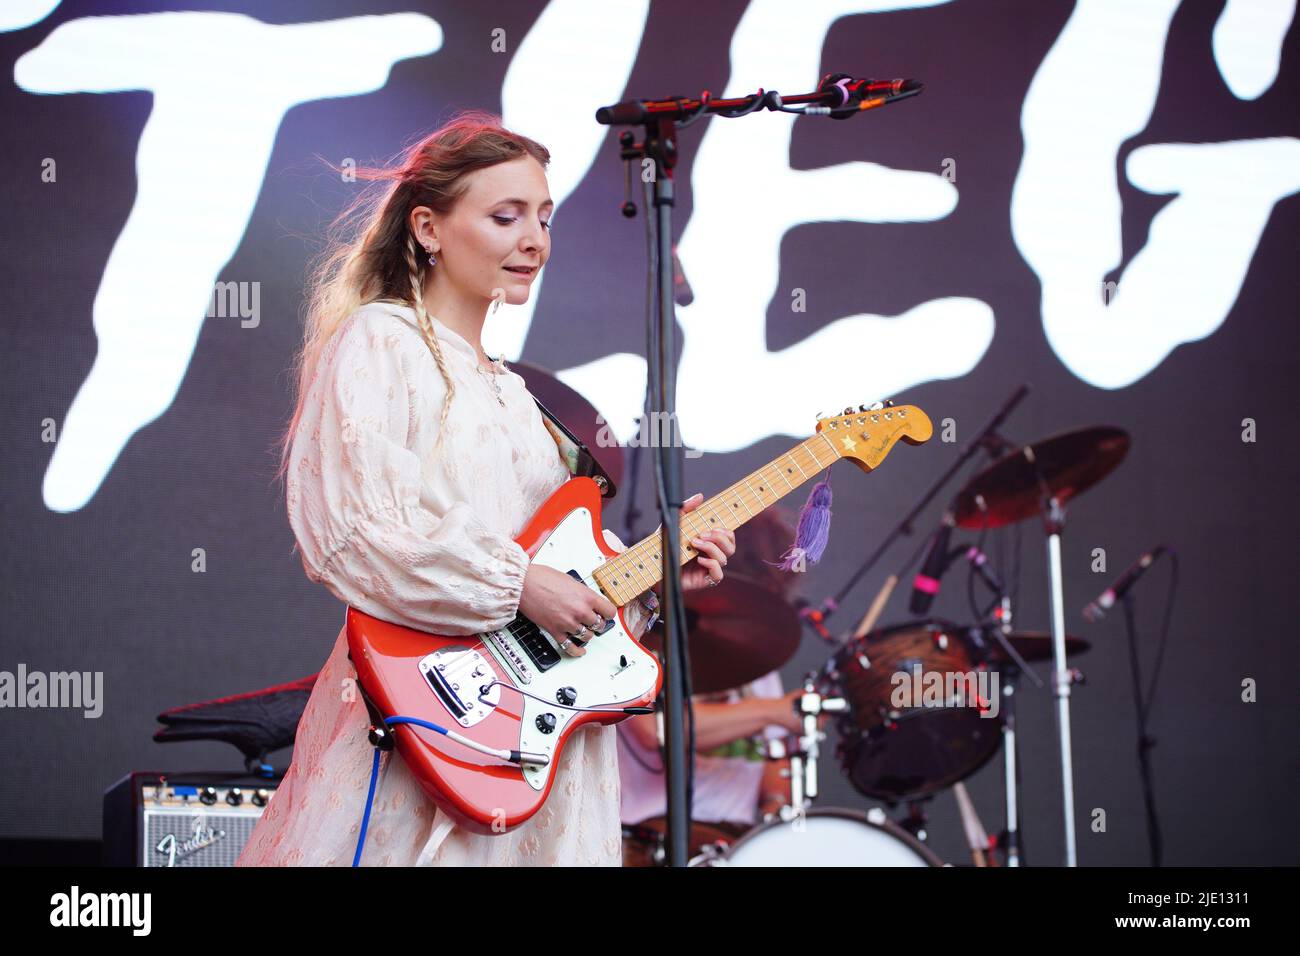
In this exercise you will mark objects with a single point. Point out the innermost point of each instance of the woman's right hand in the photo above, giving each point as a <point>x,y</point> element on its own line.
<point>559,605</point>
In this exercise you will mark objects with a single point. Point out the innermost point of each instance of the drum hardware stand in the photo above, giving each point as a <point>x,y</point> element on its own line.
<point>804,761</point>
<point>1062,678</point>
<point>1009,839</point>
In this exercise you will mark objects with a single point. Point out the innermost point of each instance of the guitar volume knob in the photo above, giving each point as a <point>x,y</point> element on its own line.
<point>546,723</point>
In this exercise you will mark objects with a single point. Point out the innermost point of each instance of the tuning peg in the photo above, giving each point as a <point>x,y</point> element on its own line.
<point>875,406</point>
<point>847,411</point>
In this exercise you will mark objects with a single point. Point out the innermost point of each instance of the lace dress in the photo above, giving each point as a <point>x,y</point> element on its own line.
<point>387,530</point>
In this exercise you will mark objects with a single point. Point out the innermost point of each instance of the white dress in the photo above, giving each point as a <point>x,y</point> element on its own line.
<point>387,530</point>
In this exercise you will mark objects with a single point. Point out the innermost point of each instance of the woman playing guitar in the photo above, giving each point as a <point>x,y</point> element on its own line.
<point>412,462</point>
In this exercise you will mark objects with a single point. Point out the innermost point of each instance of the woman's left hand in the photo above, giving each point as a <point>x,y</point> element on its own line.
<point>714,547</point>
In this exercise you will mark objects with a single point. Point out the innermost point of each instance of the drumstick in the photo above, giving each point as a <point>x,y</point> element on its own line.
<point>877,607</point>
<point>970,822</point>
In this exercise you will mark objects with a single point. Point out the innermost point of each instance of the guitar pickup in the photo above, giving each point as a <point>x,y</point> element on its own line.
<point>530,638</point>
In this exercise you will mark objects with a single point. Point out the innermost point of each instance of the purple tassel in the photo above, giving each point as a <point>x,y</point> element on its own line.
<point>814,528</point>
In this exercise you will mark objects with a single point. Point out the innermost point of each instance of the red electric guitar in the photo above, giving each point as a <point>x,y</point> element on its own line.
<point>492,711</point>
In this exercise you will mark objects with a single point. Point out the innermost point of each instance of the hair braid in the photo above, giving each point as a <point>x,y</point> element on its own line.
<point>417,270</point>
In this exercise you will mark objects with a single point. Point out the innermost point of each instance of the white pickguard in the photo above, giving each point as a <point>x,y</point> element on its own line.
<point>600,678</point>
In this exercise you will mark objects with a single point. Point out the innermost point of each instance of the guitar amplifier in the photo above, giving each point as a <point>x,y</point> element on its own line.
<point>182,819</point>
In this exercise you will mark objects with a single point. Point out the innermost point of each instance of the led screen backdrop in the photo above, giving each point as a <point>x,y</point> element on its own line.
<point>1096,198</point>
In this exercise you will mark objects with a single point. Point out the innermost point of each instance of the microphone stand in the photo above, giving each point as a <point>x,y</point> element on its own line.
<point>1145,740</point>
<point>837,96</point>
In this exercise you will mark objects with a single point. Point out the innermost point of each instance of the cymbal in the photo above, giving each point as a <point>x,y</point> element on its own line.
<point>739,631</point>
<point>578,415</point>
<point>1034,645</point>
<point>1009,490</point>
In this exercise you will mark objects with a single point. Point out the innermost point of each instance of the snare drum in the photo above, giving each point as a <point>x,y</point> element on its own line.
<point>895,753</point>
<point>829,836</point>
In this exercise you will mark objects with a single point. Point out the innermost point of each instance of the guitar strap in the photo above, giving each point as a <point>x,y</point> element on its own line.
<point>575,455</point>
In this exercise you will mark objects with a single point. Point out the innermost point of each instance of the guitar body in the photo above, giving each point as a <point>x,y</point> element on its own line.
<point>411,673</point>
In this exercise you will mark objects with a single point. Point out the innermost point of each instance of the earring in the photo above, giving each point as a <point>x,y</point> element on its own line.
<point>432,260</point>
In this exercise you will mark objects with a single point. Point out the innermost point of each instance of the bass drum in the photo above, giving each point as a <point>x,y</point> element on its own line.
<point>829,836</point>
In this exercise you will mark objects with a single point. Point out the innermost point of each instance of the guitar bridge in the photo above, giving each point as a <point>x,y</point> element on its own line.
<point>458,676</point>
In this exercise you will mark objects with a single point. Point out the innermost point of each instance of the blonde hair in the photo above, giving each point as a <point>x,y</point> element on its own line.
<point>370,252</point>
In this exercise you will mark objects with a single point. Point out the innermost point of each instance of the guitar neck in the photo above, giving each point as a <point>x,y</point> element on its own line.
<point>640,567</point>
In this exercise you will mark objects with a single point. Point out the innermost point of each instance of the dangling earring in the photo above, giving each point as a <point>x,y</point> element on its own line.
<point>432,260</point>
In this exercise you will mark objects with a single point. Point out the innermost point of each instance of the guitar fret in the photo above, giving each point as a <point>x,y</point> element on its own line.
<point>640,567</point>
<point>834,452</point>
<point>785,476</point>
<point>746,504</point>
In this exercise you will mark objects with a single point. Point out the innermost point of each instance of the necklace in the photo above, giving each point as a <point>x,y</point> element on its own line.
<point>492,378</point>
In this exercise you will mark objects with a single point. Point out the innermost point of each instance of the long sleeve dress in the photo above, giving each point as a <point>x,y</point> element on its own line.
<point>381,524</point>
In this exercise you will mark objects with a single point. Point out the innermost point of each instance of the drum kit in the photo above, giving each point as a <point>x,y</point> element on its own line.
<point>918,707</point>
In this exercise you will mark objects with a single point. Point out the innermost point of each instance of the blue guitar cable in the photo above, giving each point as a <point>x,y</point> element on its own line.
<point>374,777</point>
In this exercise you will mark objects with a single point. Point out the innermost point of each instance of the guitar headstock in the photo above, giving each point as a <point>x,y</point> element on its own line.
<point>870,432</point>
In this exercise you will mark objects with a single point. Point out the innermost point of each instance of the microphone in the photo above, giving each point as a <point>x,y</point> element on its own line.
<point>862,94</point>
<point>869,89</point>
<point>925,586</point>
<point>979,561</point>
<point>1097,609</point>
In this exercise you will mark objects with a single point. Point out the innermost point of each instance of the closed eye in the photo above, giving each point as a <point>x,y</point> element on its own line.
<point>507,220</point>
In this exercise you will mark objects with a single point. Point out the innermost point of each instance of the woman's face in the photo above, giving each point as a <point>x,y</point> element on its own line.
<point>501,221</point>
